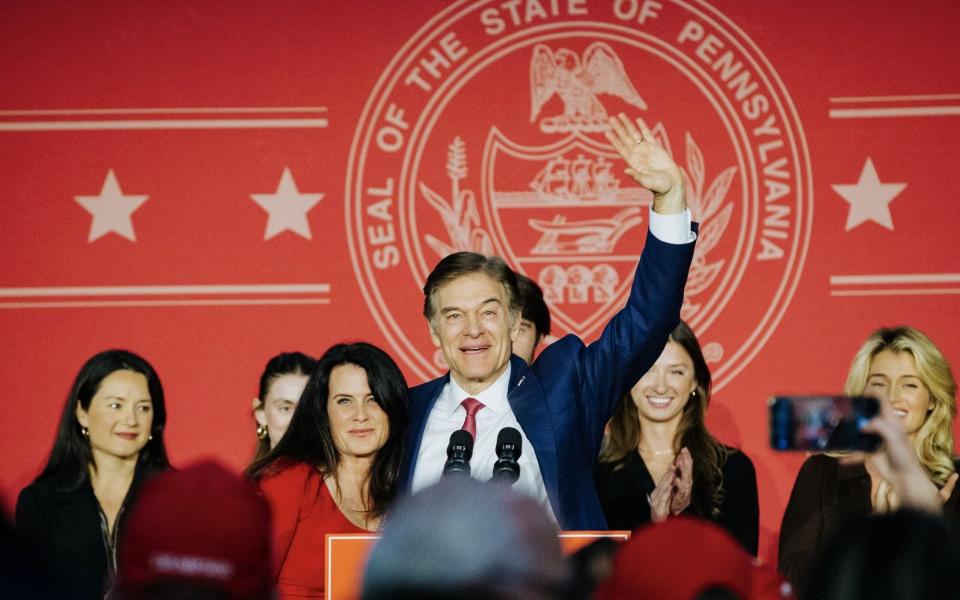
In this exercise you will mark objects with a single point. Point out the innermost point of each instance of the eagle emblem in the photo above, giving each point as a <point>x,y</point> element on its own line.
<point>578,82</point>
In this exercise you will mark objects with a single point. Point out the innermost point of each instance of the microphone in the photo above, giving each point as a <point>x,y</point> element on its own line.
<point>459,451</point>
<point>506,470</point>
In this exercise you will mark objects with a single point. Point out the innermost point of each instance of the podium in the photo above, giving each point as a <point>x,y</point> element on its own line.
<point>347,554</point>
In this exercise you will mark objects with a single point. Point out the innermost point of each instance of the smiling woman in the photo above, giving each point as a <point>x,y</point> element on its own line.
<point>335,469</point>
<point>904,369</point>
<point>660,461</point>
<point>110,438</point>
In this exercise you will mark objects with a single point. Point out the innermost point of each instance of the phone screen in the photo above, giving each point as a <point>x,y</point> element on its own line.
<point>820,423</point>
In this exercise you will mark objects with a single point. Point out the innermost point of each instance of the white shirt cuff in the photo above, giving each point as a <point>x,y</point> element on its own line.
<point>672,229</point>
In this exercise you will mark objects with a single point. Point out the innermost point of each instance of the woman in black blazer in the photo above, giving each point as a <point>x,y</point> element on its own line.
<point>659,459</point>
<point>911,377</point>
<point>109,439</point>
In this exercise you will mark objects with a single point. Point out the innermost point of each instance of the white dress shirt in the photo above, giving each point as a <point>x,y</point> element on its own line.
<point>447,414</point>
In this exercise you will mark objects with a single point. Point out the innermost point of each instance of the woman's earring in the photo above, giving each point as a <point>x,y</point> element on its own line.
<point>150,438</point>
<point>84,431</point>
<point>262,432</point>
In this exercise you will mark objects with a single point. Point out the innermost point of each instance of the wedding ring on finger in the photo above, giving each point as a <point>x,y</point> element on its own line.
<point>638,141</point>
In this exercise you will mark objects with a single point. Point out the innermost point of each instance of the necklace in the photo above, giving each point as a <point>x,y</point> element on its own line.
<point>657,452</point>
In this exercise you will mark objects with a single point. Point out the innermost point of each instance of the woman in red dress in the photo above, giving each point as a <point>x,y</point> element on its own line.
<point>335,470</point>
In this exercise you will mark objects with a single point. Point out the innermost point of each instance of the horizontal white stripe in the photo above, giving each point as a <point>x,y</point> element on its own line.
<point>132,303</point>
<point>895,278</point>
<point>165,111</point>
<point>165,290</point>
<point>898,292</point>
<point>907,111</point>
<point>162,124</point>
<point>901,98</point>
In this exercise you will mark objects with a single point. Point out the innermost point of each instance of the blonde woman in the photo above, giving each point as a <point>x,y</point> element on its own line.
<point>906,371</point>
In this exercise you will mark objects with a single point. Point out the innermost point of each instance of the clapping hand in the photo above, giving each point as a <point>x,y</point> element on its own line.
<point>648,163</point>
<point>672,494</point>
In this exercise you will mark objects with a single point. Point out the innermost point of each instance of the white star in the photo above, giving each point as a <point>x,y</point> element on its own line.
<point>869,199</point>
<point>111,210</point>
<point>287,208</point>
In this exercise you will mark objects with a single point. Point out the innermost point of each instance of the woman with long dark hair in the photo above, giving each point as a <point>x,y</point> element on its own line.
<point>281,384</point>
<point>660,460</point>
<point>335,470</point>
<point>110,438</point>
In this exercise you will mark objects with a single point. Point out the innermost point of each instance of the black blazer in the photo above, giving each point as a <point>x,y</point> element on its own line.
<point>825,496</point>
<point>624,490</point>
<point>60,528</point>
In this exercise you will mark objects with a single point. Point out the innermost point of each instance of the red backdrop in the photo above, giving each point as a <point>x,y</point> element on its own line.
<point>209,184</point>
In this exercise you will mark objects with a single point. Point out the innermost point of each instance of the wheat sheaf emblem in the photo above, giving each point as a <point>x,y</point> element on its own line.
<point>460,216</point>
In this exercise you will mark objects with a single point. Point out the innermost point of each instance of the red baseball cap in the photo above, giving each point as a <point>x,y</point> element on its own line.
<point>201,525</point>
<point>683,557</point>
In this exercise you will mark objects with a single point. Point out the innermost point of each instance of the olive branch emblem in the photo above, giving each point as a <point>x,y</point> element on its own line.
<point>707,206</point>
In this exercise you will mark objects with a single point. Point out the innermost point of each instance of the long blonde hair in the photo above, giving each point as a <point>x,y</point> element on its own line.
<point>933,442</point>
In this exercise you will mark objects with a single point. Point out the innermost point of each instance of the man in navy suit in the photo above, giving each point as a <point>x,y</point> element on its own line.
<point>561,402</point>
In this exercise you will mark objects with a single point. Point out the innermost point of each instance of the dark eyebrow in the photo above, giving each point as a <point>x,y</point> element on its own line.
<point>447,309</point>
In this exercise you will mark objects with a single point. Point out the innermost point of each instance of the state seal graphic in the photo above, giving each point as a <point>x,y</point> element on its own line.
<point>485,133</point>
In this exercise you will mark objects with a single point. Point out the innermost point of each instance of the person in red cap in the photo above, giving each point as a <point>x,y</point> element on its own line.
<point>201,533</point>
<point>688,559</point>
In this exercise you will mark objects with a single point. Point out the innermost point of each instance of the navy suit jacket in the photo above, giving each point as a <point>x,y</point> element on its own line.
<point>564,399</point>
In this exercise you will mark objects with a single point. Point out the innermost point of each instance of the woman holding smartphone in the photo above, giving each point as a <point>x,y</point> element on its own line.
<point>912,379</point>
<point>659,460</point>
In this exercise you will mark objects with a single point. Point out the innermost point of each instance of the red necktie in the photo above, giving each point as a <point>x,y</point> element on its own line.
<point>472,405</point>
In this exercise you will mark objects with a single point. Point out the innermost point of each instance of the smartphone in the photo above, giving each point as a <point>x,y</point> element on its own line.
<point>822,423</point>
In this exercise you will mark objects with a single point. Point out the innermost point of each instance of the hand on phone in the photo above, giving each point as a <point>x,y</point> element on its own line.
<point>896,462</point>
